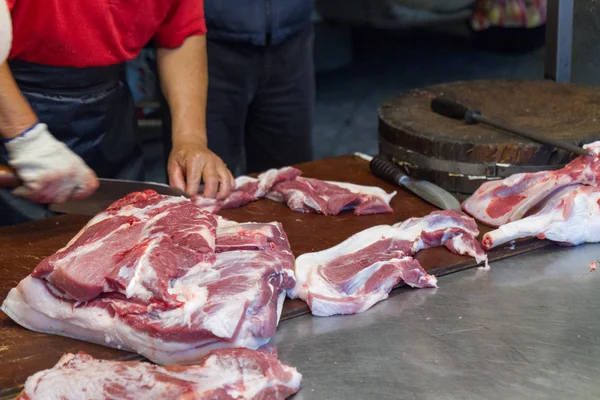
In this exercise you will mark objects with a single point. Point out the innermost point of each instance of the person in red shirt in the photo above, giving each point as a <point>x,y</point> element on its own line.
<point>64,104</point>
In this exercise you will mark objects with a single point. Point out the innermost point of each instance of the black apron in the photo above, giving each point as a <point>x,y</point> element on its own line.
<point>89,109</point>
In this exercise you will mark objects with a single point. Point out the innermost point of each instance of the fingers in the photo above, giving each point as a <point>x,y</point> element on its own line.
<point>194,171</point>
<point>88,185</point>
<point>211,180</point>
<point>233,184</point>
<point>176,175</point>
<point>227,183</point>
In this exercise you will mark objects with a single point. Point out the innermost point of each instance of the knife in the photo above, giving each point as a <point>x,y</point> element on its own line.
<point>453,109</point>
<point>108,192</point>
<point>387,170</point>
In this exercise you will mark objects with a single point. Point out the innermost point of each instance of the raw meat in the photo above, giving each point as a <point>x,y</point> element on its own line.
<point>570,216</point>
<point>331,198</point>
<point>248,189</point>
<point>354,275</point>
<point>303,194</point>
<point>496,203</point>
<point>179,285</point>
<point>222,374</point>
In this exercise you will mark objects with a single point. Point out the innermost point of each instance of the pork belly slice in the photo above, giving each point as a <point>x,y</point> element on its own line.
<point>570,216</point>
<point>354,275</point>
<point>222,374</point>
<point>499,202</point>
<point>159,297</point>
<point>134,247</point>
<point>303,194</point>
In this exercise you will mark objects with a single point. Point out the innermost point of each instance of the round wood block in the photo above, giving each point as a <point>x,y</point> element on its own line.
<point>459,157</point>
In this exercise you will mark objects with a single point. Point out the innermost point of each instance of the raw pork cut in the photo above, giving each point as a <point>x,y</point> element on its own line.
<point>570,216</point>
<point>154,275</point>
<point>223,374</point>
<point>354,275</point>
<point>285,185</point>
<point>498,202</point>
<point>331,198</point>
<point>248,189</point>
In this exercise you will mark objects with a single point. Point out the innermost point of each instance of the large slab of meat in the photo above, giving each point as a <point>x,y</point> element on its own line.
<point>570,216</point>
<point>354,275</point>
<point>155,275</point>
<point>499,202</point>
<point>301,194</point>
<point>222,374</point>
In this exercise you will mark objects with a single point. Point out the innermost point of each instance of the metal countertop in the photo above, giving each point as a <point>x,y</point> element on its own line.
<point>527,329</point>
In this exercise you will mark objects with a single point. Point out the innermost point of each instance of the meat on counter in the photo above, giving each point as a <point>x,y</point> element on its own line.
<point>222,374</point>
<point>301,194</point>
<point>155,275</point>
<point>499,202</point>
<point>352,276</point>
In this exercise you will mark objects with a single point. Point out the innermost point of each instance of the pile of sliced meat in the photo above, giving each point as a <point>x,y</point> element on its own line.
<point>354,275</point>
<point>285,185</point>
<point>222,374</point>
<point>559,205</point>
<point>156,275</point>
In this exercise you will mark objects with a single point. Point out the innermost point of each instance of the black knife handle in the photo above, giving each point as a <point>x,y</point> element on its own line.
<point>453,109</point>
<point>385,169</point>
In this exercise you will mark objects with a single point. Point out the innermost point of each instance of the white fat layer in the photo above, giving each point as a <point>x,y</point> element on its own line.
<point>367,190</point>
<point>34,307</point>
<point>234,374</point>
<point>581,225</point>
<point>144,275</point>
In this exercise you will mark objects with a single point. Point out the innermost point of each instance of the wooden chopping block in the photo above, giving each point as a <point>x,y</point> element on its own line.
<point>460,157</point>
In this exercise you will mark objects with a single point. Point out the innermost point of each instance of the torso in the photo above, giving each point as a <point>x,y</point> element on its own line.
<point>79,33</point>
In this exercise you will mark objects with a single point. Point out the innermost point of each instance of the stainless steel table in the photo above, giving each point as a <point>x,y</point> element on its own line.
<point>527,329</point>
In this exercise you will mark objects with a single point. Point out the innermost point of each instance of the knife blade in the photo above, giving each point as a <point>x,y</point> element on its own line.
<point>387,170</point>
<point>108,192</point>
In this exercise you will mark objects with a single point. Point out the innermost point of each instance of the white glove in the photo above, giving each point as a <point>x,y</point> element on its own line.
<point>50,171</point>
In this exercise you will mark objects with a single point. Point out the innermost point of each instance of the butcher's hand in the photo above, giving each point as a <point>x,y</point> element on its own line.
<point>50,172</point>
<point>191,162</point>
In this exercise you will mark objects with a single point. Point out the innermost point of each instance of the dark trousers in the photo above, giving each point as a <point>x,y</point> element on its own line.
<point>260,103</point>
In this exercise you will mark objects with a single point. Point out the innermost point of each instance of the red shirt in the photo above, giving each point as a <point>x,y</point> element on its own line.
<point>91,33</point>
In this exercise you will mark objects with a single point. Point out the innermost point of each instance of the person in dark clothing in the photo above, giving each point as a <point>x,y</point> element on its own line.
<point>261,82</point>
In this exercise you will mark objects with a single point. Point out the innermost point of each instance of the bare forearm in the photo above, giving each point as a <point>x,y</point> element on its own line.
<point>16,114</point>
<point>184,80</point>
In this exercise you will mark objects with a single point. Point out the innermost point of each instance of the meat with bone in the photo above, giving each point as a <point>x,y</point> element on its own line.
<point>354,275</point>
<point>151,292</point>
<point>285,185</point>
<point>570,216</point>
<point>498,202</point>
<point>222,374</point>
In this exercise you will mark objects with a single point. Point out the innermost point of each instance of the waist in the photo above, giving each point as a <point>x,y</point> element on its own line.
<point>47,78</point>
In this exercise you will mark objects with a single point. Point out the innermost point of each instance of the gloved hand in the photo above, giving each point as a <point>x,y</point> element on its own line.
<point>50,171</point>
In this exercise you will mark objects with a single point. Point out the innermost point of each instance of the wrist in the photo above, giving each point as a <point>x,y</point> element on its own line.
<point>29,133</point>
<point>197,137</point>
